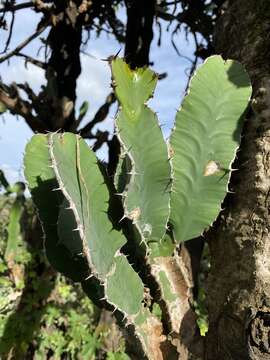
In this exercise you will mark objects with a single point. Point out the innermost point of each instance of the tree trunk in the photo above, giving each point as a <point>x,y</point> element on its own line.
<point>64,65</point>
<point>239,281</point>
<point>139,32</point>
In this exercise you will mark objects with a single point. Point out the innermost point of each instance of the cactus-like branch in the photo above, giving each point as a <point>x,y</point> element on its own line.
<point>69,191</point>
<point>82,184</point>
<point>147,195</point>
<point>82,238</point>
<point>42,183</point>
<point>204,142</point>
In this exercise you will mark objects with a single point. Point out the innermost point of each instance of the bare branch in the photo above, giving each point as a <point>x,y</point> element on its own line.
<point>24,43</point>
<point>169,3</point>
<point>99,116</point>
<point>102,137</point>
<point>37,4</point>
<point>13,8</point>
<point>160,12</point>
<point>116,25</point>
<point>10,33</point>
<point>29,92</point>
<point>29,59</point>
<point>18,106</point>
<point>177,50</point>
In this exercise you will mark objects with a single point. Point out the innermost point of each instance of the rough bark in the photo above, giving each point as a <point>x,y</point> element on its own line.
<point>239,282</point>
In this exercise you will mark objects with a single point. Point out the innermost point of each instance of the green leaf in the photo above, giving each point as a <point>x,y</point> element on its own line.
<point>3,108</point>
<point>18,188</point>
<point>117,356</point>
<point>83,110</point>
<point>204,142</point>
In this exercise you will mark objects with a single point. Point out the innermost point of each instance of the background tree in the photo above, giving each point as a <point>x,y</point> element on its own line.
<point>66,22</point>
<point>237,302</point>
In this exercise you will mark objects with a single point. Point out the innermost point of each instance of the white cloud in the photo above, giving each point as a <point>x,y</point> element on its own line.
<point>17,72</point>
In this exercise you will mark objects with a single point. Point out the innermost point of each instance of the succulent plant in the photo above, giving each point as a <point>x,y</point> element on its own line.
<point>121,237</point>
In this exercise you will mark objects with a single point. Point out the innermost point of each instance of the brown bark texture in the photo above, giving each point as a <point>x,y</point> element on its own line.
<point>239,281</point>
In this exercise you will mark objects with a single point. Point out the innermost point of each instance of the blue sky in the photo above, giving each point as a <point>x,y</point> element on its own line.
<point>93,85</point>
